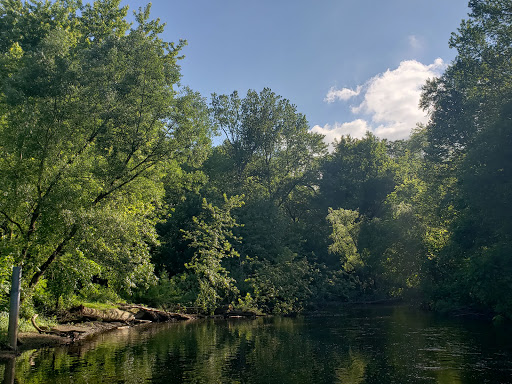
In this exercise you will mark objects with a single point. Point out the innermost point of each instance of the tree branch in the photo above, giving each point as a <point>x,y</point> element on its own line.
<point>53,256</point>
<point>103,195</point>
<point>12,221</point>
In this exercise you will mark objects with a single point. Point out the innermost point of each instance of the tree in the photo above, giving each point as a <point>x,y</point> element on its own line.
<point>468,140</point>
<point>270,156</point>
<point>90,122</point>
<point>283,287</point>
<point>345,230</point>
<point>359,174</point>
<point>268,143</point>
<point>469,95</point>
<point>211,240</point>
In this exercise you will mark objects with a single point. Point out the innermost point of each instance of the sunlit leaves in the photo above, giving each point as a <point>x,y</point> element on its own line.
<point>212,240</point>
<point>345,229</point>
<point>91,118</point>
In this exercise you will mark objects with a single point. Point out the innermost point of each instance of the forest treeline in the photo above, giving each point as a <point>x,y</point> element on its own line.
<point>111,188</point>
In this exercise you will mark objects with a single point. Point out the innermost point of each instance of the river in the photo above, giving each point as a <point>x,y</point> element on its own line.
<point>372,344</point>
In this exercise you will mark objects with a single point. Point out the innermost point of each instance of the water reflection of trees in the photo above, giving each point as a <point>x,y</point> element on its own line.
<point>369,346</point>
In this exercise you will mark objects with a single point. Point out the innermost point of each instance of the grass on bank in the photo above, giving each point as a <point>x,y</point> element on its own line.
<point>24,325</point>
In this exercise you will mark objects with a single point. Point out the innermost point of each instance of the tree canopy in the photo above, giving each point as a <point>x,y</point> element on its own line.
<point>92,119</point>
<point>110,186</point>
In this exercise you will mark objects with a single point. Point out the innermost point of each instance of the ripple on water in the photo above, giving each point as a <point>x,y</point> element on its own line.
<point>373,345</point>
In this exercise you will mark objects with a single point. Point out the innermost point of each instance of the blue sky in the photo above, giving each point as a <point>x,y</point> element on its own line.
<point>348,65</point>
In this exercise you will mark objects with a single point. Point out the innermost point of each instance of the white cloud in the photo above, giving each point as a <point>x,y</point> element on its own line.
<point>356,129</point>
<point>391,100</point>
<point>341,94</point>
<point>415,42</point>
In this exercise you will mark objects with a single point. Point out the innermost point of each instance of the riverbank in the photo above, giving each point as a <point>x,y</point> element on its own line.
<point>82,323</point>
<point>81,332</point>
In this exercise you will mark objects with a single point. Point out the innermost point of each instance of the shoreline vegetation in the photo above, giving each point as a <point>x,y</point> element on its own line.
<point>112,190</point>
<point>82,323</point>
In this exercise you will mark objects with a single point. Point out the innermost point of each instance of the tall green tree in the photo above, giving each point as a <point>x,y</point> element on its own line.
<point>468,149</point>
<point>270,156</point>
<point>91,120</point>
<point>396,240</point>
<point>269,144</point>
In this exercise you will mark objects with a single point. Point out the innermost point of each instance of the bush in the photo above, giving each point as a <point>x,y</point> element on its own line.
<point>284,287</point>
<point>168,292</point>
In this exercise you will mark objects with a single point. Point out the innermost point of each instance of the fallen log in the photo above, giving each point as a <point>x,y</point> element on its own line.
<point>73,334</point>
<point>109,315</point>
<point>155,315</point>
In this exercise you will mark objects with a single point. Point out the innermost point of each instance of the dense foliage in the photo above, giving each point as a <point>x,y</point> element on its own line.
<point>90,124</point>
<point>110,187</point>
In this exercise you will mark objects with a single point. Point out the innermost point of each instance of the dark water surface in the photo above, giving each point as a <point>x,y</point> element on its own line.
<point>356,345</point>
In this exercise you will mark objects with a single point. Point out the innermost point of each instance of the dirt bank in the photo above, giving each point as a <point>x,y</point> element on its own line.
<point>77,332</point>
<point>83,323</point>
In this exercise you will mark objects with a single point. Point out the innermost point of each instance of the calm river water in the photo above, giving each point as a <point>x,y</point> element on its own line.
<point>356,345</point>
